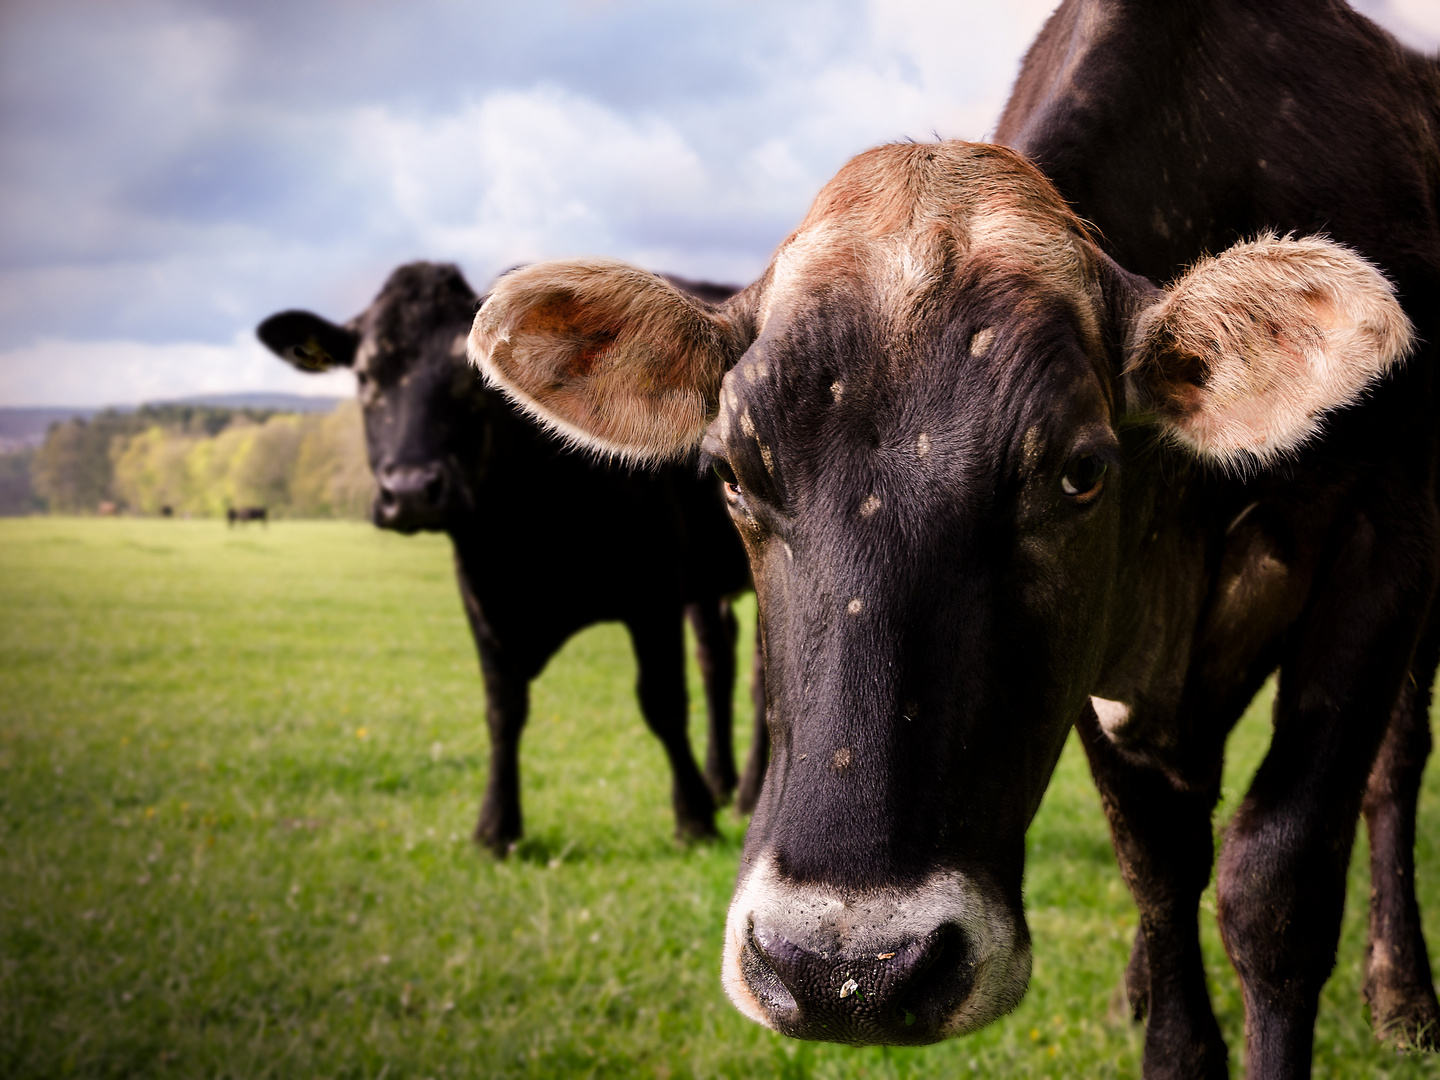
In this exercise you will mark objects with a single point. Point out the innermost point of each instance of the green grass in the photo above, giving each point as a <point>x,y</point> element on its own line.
<point>238,773</point>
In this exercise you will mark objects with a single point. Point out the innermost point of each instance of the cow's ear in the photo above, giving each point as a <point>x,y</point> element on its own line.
<point>616,359</point>
<point>1243,355</point>
<point>308,341</point>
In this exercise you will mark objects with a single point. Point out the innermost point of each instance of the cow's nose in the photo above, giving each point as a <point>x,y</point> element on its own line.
<point>902,994</point>
<point>412,497</point>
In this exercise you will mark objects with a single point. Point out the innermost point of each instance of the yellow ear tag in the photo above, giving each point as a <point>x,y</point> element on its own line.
<point>312,356</point>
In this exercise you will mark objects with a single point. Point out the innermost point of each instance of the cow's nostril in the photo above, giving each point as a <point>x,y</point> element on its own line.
<point>435,489</point>
<point>901,993</point>
<point>767,986</point>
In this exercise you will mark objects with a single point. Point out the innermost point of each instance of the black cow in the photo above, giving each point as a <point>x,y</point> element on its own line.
<point>1178,130</point>
<point>547,541</point>
<point>239,515</point>
<point>992,483</point>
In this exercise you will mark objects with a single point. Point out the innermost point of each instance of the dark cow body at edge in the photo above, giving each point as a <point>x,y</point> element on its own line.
<point>993,482</point>
<point>547,540</point>
<point>1177,130</point>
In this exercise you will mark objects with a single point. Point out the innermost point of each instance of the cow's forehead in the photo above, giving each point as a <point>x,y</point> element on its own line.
<point>899,222</point>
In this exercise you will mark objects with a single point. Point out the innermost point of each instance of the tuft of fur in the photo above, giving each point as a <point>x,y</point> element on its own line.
<point>615,359</point>
<point>1245,353</point>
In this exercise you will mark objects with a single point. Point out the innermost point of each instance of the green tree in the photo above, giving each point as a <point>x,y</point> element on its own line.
<point>332,475</point>
<point>73,470</point>
<point>17,492</point>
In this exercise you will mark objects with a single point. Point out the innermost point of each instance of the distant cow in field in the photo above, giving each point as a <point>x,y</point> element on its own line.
<point>993,484</point>
<point>239,515</point>
<point>547,540</point>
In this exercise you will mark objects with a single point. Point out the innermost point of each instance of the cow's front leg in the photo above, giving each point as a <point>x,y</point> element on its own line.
<point>715,633</point>
<point>660,652</point>
<point>507,701</point>
<point>1398,983</point>
<point>1281,887</point>
<point>1163,840</point>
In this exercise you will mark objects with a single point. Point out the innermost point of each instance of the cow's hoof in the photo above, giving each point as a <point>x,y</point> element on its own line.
<point>722,785</point>
<point>696,830</point>
<point>1408,1017</point>
<point>721,789</point>
<point>499,842</point>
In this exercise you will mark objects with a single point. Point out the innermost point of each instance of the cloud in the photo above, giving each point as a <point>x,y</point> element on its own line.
<point>1415,22</point>
<point>97,373</point>
<point>175,170</point>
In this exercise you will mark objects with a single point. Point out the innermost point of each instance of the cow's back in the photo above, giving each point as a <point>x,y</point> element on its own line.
<point>1181,129</point>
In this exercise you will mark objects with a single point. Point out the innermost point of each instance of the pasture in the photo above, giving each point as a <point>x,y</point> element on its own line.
<point>238,774</point>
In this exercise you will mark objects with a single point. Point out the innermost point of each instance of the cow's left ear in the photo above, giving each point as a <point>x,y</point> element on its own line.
<point>1241,357</point>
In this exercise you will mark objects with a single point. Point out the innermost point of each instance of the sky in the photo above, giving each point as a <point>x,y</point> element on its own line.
<point>173,172</point>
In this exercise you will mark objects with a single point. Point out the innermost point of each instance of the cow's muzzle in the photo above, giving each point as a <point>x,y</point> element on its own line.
<point>412,497</point>
<point>894,966</point>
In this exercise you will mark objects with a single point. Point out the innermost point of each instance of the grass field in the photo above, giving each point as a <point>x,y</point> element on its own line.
<point>238,773</point>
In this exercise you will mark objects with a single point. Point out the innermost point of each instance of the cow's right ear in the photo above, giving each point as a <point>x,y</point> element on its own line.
<point>307,341</point>
<point>616,359</point>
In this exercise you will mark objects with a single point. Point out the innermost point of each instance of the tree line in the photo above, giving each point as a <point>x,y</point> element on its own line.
<point>198,460</point>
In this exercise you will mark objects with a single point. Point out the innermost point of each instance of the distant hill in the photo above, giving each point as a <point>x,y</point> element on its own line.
<point>22,426</point>
<point>259,400</point>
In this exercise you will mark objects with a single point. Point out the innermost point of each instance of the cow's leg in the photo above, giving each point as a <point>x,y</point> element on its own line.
<point>660,652</point>
<point>1281,884</point>
<point>759,759</point>
<point>1164,843</point>
<point>715,632</point>
<point>1398,983</point>
<point>507,701</point>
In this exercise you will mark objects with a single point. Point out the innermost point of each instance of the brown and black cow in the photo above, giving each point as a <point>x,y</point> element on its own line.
<point>1178,129</point>
<point>992,483</point>
<point>547,540</point>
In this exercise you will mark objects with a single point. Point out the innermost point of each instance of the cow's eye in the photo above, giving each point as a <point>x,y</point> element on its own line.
<point>727,477</point>
<point>1084,477</point>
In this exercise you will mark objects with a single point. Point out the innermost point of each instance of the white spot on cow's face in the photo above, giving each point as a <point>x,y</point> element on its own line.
<point>855,606</point>
<point>837,390</point>
<point>767,457</point>
<point>870,505</point>
<point>746,424</point>
<point>788,553</point>
<point>1032,447</point>
<point>981,341</point>
<point>756,371</point>
<point>922,445</point>
<point>1111,714</point>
